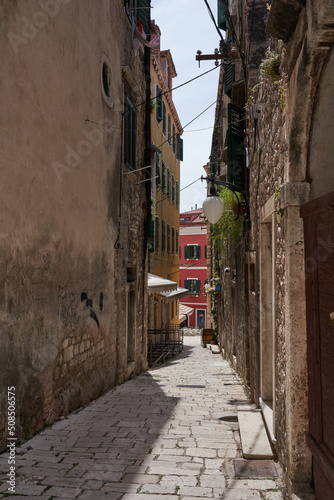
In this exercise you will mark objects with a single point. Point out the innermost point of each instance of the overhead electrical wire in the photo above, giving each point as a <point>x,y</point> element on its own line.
<point>213,19</point>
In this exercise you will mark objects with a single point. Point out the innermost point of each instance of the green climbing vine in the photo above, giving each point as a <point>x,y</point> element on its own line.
<point>228,227</point>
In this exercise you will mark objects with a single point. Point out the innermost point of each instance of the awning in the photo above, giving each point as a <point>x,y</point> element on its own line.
<point>176,294</point>
<point>156,284</point>
<point>184,312</point>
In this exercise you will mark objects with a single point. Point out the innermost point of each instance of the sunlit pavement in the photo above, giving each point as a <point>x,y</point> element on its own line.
<point>170,433</point>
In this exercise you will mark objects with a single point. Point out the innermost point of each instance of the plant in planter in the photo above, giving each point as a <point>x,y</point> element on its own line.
<point>214,340</point>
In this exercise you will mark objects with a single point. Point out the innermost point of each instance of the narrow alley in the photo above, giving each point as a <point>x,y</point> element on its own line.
<point>171,432</point>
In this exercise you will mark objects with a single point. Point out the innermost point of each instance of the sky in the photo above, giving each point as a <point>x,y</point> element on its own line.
<point>186,27</point>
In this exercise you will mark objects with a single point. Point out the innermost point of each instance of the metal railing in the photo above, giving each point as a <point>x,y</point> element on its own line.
<point>163,343</point>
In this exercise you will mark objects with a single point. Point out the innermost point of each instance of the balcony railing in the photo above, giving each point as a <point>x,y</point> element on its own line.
<point>163,344</point>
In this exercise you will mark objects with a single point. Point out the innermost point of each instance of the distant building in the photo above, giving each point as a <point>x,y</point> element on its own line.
<point>167,153</point>
<point>193,269</point>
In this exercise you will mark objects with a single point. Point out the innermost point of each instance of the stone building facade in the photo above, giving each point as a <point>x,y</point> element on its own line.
<point>74,212</point>
<point>167,154</point>
<point>283,80</point>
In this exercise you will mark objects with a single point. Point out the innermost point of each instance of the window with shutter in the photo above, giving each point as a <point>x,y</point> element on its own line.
<point>129,134</point>
<point>173,240</point>
<point>169,129</point>
<point>168,182</point>
<point>228,78</point>
<point>163,118</point>
<point>186,252</point>
<point>222,10</point>
<point>157,168</point>
<point>168,238</point>
<point>193,285</point>
<point>176,241</point>
<point>163,176</point>
<point>235,146</point>
<point>193,252</point>
<point>177,194</point>
<point>173,138</point>
<point>180,148</point>
<point>163,236</point>
<point>143,13</point>
<point>206,251</point>
<point>173,189</point>
<point>159,104</point>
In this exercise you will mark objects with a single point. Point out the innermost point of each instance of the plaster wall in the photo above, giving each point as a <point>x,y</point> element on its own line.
<point>62,282</point>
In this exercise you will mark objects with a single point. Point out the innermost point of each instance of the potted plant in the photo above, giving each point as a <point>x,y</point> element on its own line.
<point>214,340</point>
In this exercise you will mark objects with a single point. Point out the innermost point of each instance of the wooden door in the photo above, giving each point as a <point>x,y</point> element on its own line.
<point>318,218</point>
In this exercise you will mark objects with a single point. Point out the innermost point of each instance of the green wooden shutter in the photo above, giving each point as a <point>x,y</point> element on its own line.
<point>222,10</point>
<point>186,252</point>
<point>163,236</point>
<point>168,238</point>
<point>198,252</point>
<point>173,138</point>
<point>177,194</point>
<point>163,180</point>
<point>173,189</point>
<point>157,168</point>
<point>159,104</point>
<point>181,148</point>
<point>176,241</point>
<point>235,146</point>
<point>168,182</point>
<point>173,240</point>
<point>205,251</point>
<point>169,129</point>
<point>163,117</point>
<point>186,284</point>
<point>228,78</point>
<point>157,235</point>
<point>144,14</point>
<point>198,287</point>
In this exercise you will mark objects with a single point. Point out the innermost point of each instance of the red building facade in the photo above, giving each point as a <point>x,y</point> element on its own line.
<point>193,264</point>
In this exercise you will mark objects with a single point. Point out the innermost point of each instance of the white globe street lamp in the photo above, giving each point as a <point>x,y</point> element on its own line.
<point>213,208</point>
<point>213,205</point>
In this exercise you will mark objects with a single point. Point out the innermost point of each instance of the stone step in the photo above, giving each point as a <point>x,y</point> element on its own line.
<point>215,349</point>
<point>254,438</point>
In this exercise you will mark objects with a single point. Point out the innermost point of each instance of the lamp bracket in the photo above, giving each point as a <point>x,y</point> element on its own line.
<point>243,205</point>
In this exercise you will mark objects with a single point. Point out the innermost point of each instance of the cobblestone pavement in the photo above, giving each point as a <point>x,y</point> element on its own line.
<point>170,433</point>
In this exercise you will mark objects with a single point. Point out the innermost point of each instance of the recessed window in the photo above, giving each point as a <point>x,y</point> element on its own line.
<point>193,285</point>
<point>106,80</point>
<point>192,252</point>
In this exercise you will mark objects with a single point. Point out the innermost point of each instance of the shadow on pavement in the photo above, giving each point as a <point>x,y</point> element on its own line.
<point>99,448</point>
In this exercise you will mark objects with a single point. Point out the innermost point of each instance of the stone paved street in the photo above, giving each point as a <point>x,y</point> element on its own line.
<point>171,433</point>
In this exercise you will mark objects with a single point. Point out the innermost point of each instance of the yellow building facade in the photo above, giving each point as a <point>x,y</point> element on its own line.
<point>167,152</point>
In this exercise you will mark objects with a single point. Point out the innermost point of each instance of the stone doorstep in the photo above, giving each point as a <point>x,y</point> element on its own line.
<point>215,349</point>
<point>254,439</point>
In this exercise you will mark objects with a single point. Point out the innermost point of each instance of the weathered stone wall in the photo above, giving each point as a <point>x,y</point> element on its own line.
<point>63,269</point>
